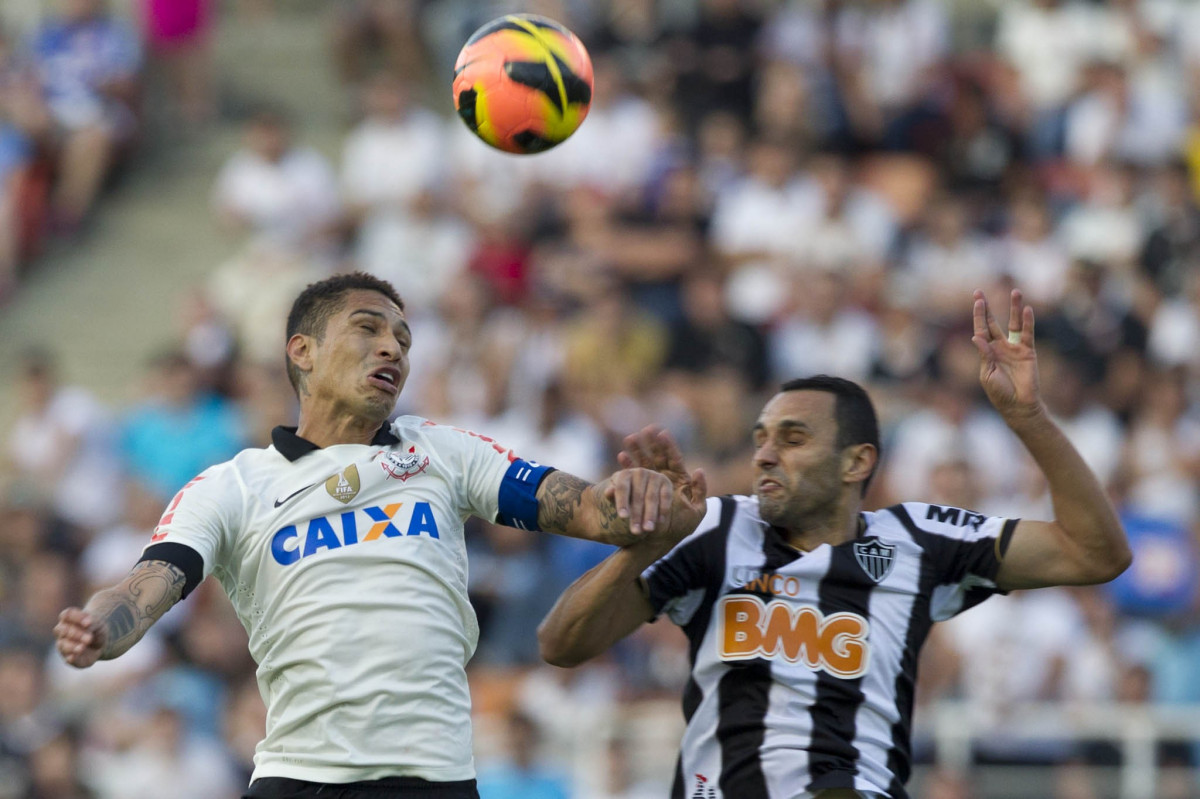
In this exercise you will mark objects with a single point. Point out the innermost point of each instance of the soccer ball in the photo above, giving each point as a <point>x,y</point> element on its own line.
<point>523,83</point>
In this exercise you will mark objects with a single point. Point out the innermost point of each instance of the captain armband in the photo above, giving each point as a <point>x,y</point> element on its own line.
<point>518,494</point>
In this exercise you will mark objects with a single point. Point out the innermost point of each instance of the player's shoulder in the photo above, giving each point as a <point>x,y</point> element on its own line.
<point>728,512</point>
<point>919,520</point>
<point>417,428</point>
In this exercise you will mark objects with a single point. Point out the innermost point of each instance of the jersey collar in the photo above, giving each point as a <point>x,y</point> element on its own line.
<point>293,447</point>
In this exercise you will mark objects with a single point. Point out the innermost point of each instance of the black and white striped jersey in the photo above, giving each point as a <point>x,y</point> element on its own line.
<point>803,664</point>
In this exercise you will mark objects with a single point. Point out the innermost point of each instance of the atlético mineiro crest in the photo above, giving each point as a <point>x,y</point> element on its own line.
<point>404,465</point>
<point>704,790</point>
<point>876,558</point>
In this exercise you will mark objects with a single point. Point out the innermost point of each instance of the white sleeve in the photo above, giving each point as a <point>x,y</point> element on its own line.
<point>198,524</point>
<point>480,463</point>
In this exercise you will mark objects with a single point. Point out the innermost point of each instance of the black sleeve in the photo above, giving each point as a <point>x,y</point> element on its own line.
<point>182,557</point>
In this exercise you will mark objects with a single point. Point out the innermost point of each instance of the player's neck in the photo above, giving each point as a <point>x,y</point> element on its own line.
<point>328,429</point>
<point>837,528</point>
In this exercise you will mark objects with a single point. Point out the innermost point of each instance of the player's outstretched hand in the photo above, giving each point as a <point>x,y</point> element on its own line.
<point>642,498</point>
<point>1007,361</point>
<point>653,448</point>
<point>79,637</point>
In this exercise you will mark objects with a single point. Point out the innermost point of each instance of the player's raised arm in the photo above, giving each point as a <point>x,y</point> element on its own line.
<point>1085,543</point>
<point>608,602</point>
<point>116,618</point>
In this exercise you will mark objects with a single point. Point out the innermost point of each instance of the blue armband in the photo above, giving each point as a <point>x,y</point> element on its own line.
<point>518,494</point>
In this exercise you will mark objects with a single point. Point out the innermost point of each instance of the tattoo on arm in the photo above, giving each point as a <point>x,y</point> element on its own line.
<point>559,498</point>
<point>562,503</point>
<point>129,609</point>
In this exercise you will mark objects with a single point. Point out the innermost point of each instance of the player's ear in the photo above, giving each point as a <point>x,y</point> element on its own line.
<point>858,462</point>
<point>300,351</point>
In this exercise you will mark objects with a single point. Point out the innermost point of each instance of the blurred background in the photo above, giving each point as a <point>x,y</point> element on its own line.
<point>763,190</point>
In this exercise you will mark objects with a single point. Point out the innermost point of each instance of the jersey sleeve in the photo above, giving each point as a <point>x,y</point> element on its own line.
<point>496,484</point>
<point>963,548</point>
<point>195,528</point>
<point>677,583</point>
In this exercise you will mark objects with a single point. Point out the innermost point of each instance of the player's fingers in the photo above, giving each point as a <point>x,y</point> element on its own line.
<point>1027,326</point>
<point>636,451</point>
<point>637,499</point>
<point>666,498</point>
<point>981,344</point>
<point>619,496</point>
<point>72,632</point>
<point>653,509</point>
<point>624,459</point>
<point>699,487</point>
<point>993,327</point>
<point>669,454</point>
<point>656,455</point>
<point>1014,317</point>
<point>75,616</point>
<point>979,315</point>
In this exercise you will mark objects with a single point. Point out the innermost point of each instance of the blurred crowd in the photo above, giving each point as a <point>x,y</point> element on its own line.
<point>762,190</point>
<point>72,111</point>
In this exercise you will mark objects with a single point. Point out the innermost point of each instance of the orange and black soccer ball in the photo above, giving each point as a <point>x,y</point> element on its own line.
<point>523,83</point>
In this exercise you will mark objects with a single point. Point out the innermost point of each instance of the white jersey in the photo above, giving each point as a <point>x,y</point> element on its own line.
<point>348,567</point>
<point>804,663</point>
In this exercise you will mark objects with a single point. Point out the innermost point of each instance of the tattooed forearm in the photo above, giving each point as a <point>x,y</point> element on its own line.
<point>570,506</point>
<point>559,498</point>
<point>126,611</point>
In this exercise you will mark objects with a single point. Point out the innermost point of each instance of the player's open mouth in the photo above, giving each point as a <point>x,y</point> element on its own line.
<point>386,379</point>
<point>766,485</point>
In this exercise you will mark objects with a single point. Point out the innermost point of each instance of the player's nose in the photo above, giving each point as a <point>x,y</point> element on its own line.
<point>388,349</point>
<point>765,455</point>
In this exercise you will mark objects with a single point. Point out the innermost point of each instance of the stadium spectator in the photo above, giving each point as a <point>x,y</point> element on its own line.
<point>62,445</point>
<point>178,35</point>
<point>88,62</point>
<point>275,188</point>
<point>393,170</point>
<point>179,429</point>
<point>520,776</point>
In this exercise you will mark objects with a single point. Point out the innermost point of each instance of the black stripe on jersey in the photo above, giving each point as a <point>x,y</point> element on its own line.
<point>833,759</point>
<point>709,553</point>
<point>1005,538</point>
<point>744,696</point>
<point>899,760</point>
<point>942,562</point>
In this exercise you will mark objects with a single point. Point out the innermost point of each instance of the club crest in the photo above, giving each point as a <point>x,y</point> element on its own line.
<point>344,486</point>
<point>876,558</point>
<point>404,465</point>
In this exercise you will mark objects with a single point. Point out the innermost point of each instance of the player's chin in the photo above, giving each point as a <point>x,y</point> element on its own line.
<point>380,404</point>
<point>770,507</point>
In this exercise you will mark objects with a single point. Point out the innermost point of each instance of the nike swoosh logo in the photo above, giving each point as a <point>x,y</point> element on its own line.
<point>279,502</point>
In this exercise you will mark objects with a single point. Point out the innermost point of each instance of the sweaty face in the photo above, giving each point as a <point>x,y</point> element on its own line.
<point>362,362</point>
<point>797,465</point>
